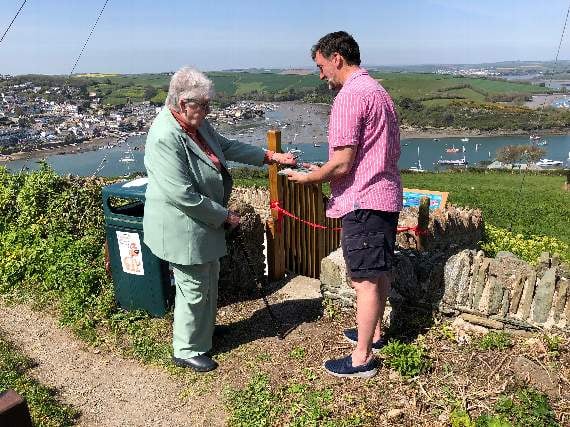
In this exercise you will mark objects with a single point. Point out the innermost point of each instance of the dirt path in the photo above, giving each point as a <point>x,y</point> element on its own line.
<point>108,389</point>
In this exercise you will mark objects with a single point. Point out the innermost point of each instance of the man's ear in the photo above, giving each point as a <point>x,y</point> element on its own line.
<point>338,60</point>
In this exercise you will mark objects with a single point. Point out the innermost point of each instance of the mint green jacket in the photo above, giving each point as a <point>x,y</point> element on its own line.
<point>186,195</point>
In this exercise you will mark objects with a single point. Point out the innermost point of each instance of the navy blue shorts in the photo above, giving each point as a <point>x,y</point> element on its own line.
<point>368,239</point>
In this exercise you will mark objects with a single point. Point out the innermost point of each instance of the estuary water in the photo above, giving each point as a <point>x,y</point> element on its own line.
<point>303,127</point>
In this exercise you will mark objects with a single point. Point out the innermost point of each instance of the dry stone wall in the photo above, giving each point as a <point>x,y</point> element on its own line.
<point>508,290</point>
<point>452,276</point>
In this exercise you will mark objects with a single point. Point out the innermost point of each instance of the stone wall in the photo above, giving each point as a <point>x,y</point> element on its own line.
<point>452,227</point>
<point>452,276</point>
<point>501,293</point>
<point>244,264</point>
<point>509,290</point>
<point>258,198</point>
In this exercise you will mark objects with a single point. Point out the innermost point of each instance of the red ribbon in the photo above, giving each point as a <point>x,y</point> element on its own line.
<point>281,212</point>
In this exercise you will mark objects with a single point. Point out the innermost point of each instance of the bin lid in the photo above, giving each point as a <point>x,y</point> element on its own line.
<point>134,189</point>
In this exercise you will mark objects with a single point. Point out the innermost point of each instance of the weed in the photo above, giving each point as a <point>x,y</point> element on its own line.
<point>256,405</point>
<point>298,353</point>
<point>310,374</point>
<point>553,344</point>
<point>330,308</point>
<point>495,341</point>
<point>460,418</point>
<point>527,408</point>
<point>409,360</point>
<point>447,332</point>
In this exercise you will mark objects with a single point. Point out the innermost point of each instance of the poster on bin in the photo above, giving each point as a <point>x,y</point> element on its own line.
<point>130,252</point>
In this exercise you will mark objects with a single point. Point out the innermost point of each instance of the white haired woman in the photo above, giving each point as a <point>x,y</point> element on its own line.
<point>186,207</point>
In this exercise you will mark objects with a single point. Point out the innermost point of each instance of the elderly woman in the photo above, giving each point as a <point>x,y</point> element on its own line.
<point>185,211</point>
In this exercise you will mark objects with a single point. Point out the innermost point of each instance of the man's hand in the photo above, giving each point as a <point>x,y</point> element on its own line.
<point>286,159</point>
<point>301,178</point>
<point>232,220</point>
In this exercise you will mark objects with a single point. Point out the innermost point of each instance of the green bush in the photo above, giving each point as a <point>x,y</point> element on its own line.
<point>527,248</point>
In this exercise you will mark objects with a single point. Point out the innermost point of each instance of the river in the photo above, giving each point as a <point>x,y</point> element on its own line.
<point>303,127</point>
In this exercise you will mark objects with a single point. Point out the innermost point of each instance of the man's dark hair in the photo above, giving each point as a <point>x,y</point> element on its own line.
<point>340,42</point>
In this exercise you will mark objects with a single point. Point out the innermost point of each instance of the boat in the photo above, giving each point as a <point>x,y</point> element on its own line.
<point>534,137</point>
<point>417,168</point>
<point>460,162</point>
<point>541,143</point>
<point>463,148</point>
<point>464,139</point>
<point>127,158</point>
<point>316,144</point>
<point>547,163</point>
<point>435,139</point>
<point>452,150</point>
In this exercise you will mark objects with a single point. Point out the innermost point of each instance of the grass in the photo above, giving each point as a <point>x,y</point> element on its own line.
<point>45,408</point>
<point>538,209</point>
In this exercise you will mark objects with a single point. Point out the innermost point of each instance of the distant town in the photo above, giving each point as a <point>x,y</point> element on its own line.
<point>41,118</point>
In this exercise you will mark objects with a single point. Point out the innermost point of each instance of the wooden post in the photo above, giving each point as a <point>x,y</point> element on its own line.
<point>568,178</point>
<point>14,410</point>
<point>275,242</point>
<point>423,223</point>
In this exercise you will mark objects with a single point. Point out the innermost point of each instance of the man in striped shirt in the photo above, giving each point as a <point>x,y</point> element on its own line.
<point>364,148</point>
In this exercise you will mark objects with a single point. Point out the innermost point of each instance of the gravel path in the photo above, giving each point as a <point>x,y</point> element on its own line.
<point>108,389</point>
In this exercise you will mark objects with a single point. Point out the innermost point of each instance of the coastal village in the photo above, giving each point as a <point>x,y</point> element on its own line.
<point>30,118</point>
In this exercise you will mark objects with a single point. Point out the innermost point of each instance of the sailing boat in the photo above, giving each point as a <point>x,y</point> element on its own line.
<point>417,168</point>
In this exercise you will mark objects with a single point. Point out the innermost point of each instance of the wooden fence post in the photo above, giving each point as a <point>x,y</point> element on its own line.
<point>568,179</point>
<point>275,241</point>
<point>423,223</point>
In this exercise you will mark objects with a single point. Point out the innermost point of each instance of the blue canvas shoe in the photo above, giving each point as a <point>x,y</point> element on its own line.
<point>351,335</point>
<point>343,368</point>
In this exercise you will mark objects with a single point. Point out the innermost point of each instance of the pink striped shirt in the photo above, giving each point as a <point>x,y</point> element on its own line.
<point>364,115</point>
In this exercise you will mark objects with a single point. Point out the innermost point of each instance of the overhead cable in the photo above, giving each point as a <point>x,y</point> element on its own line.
<point>88,37</point>
<point>13,19</point>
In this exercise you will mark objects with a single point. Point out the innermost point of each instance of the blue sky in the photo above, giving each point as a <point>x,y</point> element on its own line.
<point>151,36</point>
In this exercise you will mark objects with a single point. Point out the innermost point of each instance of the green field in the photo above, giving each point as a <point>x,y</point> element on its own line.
<point>416,86</point>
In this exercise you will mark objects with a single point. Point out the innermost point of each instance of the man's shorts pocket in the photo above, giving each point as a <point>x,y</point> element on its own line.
<point>365,251</point>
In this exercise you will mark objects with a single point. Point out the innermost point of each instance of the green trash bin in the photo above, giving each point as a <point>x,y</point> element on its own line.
<point>142,281</point>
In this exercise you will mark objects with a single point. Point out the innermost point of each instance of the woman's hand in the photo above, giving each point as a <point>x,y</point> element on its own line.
<point>232,220</point>
<point>286,159</point>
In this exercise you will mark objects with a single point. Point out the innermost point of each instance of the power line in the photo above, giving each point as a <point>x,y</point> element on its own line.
<point>554,66</point>
<point>90,34</point>
<point>13,19</point>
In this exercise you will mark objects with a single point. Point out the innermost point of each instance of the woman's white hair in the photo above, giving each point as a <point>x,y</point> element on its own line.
<point>188,83</point>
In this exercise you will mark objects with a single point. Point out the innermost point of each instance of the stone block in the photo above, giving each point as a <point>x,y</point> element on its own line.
<point>560,300</point>
<point>536,375</point>
<point>495,298</point>
<point>544,296</point>
<point>482,321</point>
<point>479,284</point>
<point>516,294</point>
<point>527,296</point>
<point>477,260</point>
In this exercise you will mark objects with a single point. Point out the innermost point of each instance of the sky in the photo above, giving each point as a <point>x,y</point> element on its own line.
<point>141,36</point>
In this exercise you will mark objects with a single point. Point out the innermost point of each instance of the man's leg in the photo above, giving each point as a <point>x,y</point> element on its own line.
<point>371,296</point>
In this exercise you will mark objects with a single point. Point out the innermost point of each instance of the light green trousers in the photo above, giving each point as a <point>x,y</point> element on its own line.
<point>195,308</point>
